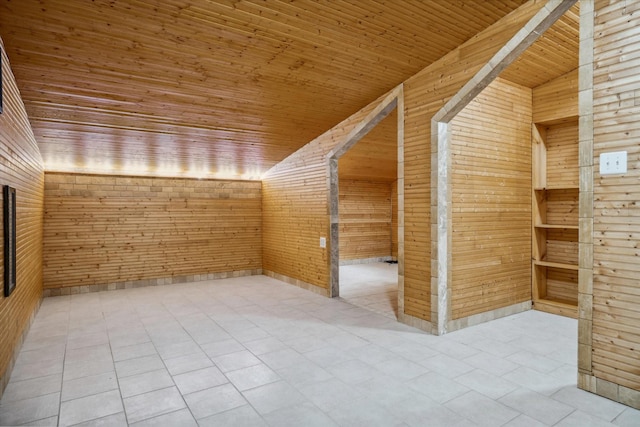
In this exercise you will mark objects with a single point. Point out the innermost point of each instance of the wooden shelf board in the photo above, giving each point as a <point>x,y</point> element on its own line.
<point>556,265</point>
<point>559,307</point>
<point>555,188</point>
<point>558,120</point>
<point>557,226</point>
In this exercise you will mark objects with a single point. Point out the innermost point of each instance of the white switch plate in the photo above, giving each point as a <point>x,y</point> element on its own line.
<point>613,163</point>
<point>323,242</point>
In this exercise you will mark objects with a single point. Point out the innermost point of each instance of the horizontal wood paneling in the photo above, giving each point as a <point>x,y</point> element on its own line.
<point>21,167</point>
<point>562,285</point>
<point>375,156</point>
<point>219,89</point>
<point>562,247</point>
<point>425,94</point>
<point>295,208</point>
<point>616,215</point>
<point>562,155</point>
<point>562,206</point>
<point>113,229</point>
<point>365,219</point>
<point>491,201</point>
<point>557,99</point>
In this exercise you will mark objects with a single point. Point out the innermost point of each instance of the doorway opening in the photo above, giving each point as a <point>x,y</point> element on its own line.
<point>365,196</point>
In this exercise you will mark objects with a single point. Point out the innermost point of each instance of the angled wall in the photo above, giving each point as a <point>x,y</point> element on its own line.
<point>425,94</point>
<point>294,192</point>
<point>491,201</point>
<point>296,210</point>
<point>20,167</point>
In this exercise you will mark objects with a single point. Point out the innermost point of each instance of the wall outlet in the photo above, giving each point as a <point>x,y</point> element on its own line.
<point>613,163</point>
<point>323,242</point>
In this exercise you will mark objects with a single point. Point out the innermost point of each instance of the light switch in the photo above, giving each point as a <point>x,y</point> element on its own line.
<point>323,242</point>
<point>613,163</point>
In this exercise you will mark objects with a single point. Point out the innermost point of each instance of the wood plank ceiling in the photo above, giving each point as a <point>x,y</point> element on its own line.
<point>226,88</point>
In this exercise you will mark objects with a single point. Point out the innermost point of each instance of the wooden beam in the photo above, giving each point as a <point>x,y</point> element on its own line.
<point>523,39</point>
<point>369,122</point>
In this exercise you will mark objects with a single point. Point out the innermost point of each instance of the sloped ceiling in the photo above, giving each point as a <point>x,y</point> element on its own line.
<point>220,88</point>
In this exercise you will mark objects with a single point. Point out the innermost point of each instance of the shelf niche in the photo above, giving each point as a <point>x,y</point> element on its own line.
<point>555,204</point>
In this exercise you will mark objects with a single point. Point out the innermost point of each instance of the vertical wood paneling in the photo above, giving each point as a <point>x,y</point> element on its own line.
<point>365,212</point>
<point>616,214</point>
<point>21,167</point>
<point>491,201</point>
<point>295,208</point>
<point>425,93</point>
<point>112,230</point>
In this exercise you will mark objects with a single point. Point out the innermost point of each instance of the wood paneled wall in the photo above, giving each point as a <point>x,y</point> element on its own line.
<point>295,190</point>
<point>425,93</point>
<point>562,207</point>
<point>562,155</point>
<point>296,212</point>
<point>491,201</point>
<point>557,99</point>
<point>113,230</point>
<point>21,167</point>
<point>616,210</point>
<point>365,212</point>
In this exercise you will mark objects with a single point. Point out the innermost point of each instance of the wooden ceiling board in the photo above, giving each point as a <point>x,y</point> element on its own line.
<point>217,88</point>
<point>554,54</point>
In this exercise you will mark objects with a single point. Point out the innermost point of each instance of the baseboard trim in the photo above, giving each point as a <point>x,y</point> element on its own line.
<point>487,316</point>
<point>423,325</point>
<point>130,284</point>
<point>297,282</point>
<point>616,392</point>
<point>365,260</point>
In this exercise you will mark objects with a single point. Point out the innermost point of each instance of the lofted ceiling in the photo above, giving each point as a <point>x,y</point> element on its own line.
<point>227,88</point>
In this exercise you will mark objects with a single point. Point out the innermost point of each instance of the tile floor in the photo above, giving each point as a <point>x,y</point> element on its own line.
<point>257,352</point>
<point>373,286</point>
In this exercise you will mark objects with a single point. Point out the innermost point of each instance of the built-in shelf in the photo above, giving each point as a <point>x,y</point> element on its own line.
<point>557,226</point>
<point>563,308</point>
<point>556,265</point>
<point>555,218</point>
<point>555,188</point>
